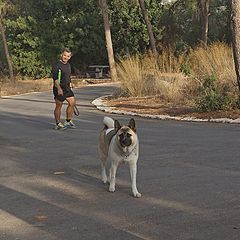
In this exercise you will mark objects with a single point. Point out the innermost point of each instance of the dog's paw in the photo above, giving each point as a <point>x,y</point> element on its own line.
<point>137,195</point>
<point>111,189</point>
<point>104,180</point>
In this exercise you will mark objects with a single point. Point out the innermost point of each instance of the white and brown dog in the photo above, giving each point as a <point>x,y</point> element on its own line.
<point>118,144</point>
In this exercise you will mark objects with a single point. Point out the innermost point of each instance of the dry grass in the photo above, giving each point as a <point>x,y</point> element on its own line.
<point>24,86</point>
<point>131,74</point>
<point>151,75</point>
<point>215,59</point>
<point>215,62</point>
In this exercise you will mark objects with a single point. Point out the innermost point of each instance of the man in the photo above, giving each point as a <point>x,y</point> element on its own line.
<point>61,74</point>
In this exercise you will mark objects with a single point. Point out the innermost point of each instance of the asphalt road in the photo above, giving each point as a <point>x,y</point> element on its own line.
<point>50,188</point>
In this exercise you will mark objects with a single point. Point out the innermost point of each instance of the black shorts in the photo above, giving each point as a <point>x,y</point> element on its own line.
<point>67,92</point>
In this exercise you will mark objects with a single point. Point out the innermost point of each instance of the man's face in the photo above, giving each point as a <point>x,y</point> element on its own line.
<point>66,56</point>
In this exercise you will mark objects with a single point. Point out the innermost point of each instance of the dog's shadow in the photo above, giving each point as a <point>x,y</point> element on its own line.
<point>86,176</point>
<point>92,177</point>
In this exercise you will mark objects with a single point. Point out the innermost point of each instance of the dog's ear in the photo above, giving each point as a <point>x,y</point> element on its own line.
<point>132,124</point>
<point>117,125</point>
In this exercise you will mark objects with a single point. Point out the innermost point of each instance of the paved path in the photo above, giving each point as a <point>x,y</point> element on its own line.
<point>50,188</point>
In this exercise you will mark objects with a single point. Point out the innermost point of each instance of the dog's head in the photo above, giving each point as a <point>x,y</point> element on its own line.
<point>126,134</point>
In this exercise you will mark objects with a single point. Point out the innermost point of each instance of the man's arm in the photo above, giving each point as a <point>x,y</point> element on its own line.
<point>57,85</point>
<point>56,80</point>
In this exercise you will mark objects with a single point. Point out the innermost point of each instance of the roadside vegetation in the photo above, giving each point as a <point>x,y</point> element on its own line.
<point>203,78</point>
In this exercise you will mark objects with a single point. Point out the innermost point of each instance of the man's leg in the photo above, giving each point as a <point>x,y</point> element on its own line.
<point>57,111</point>
<point>70,108</point>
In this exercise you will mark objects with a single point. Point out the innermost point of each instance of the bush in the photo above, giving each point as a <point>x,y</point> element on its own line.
<point>213,98</point>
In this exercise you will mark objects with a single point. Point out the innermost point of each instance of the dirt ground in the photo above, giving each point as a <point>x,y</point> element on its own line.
<point>146,105</point>
<point>24,86</point>
<point>154,106</point>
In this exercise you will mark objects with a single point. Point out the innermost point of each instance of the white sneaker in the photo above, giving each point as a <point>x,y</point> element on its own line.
<point>69,124</point>
<point>60,126</point>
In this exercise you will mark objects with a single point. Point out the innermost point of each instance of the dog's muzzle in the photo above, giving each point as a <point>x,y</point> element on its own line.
<point>125,140</point>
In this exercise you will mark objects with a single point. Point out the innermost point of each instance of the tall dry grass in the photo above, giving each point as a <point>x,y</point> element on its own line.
<point>215,59</point>
<point>130,73</point>
<point>151,75</point>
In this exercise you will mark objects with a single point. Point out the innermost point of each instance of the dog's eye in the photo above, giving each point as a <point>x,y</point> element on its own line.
<point>121,135</point>
<point>129,135</point>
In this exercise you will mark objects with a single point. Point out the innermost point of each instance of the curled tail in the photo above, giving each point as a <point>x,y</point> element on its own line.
<point>108,122</point>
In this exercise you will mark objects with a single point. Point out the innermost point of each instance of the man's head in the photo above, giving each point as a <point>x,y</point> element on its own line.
<point>66,55</point>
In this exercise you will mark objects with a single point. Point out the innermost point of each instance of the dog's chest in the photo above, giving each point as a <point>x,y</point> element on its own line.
<point>128,156</point>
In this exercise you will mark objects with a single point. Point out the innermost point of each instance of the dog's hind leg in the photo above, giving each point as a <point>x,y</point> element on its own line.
<point>104,175</point>
<point>133,173</point>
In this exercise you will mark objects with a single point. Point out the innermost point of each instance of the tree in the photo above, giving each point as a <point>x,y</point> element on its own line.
<point>103,5</point>
<point>126,19</point>
<point>204,14</point>
<point>235,25</point>
<point>3,7</point>
<point>149,25</point>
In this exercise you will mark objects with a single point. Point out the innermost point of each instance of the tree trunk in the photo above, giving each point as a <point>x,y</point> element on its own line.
<point>204,13</point>
<point>235,27</point>
<point>104,7</point>
<point>9,62</point>
<point>149,25</point>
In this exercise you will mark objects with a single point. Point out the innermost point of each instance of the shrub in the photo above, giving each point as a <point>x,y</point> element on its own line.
<point>213,97</point>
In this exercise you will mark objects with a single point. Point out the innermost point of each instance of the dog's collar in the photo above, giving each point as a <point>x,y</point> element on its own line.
<point>128,153</point>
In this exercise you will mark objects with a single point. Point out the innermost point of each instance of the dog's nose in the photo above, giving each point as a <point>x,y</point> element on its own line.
<point>126,142</point>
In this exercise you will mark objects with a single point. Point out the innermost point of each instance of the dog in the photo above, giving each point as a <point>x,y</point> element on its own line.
<point>118,144</point>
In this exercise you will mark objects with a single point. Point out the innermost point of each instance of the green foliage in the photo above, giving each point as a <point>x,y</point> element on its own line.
<point>128,28</point>
<point>219,21</point>
<point>181,27</point>
<point>185,69</point>
<point>37,30</point>
<point>75,24</point>
<point>213,98</point>
<point>25,47</point>
<point>181,24</point>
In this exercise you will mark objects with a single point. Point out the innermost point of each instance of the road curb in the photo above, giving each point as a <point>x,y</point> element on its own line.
<point>99,103</point>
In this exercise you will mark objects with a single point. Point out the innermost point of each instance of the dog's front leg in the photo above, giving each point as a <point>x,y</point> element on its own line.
<point>133,173</point>
<point>112,176</point>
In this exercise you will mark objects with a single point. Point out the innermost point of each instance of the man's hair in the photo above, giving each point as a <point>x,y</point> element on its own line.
<point>66,50</point>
